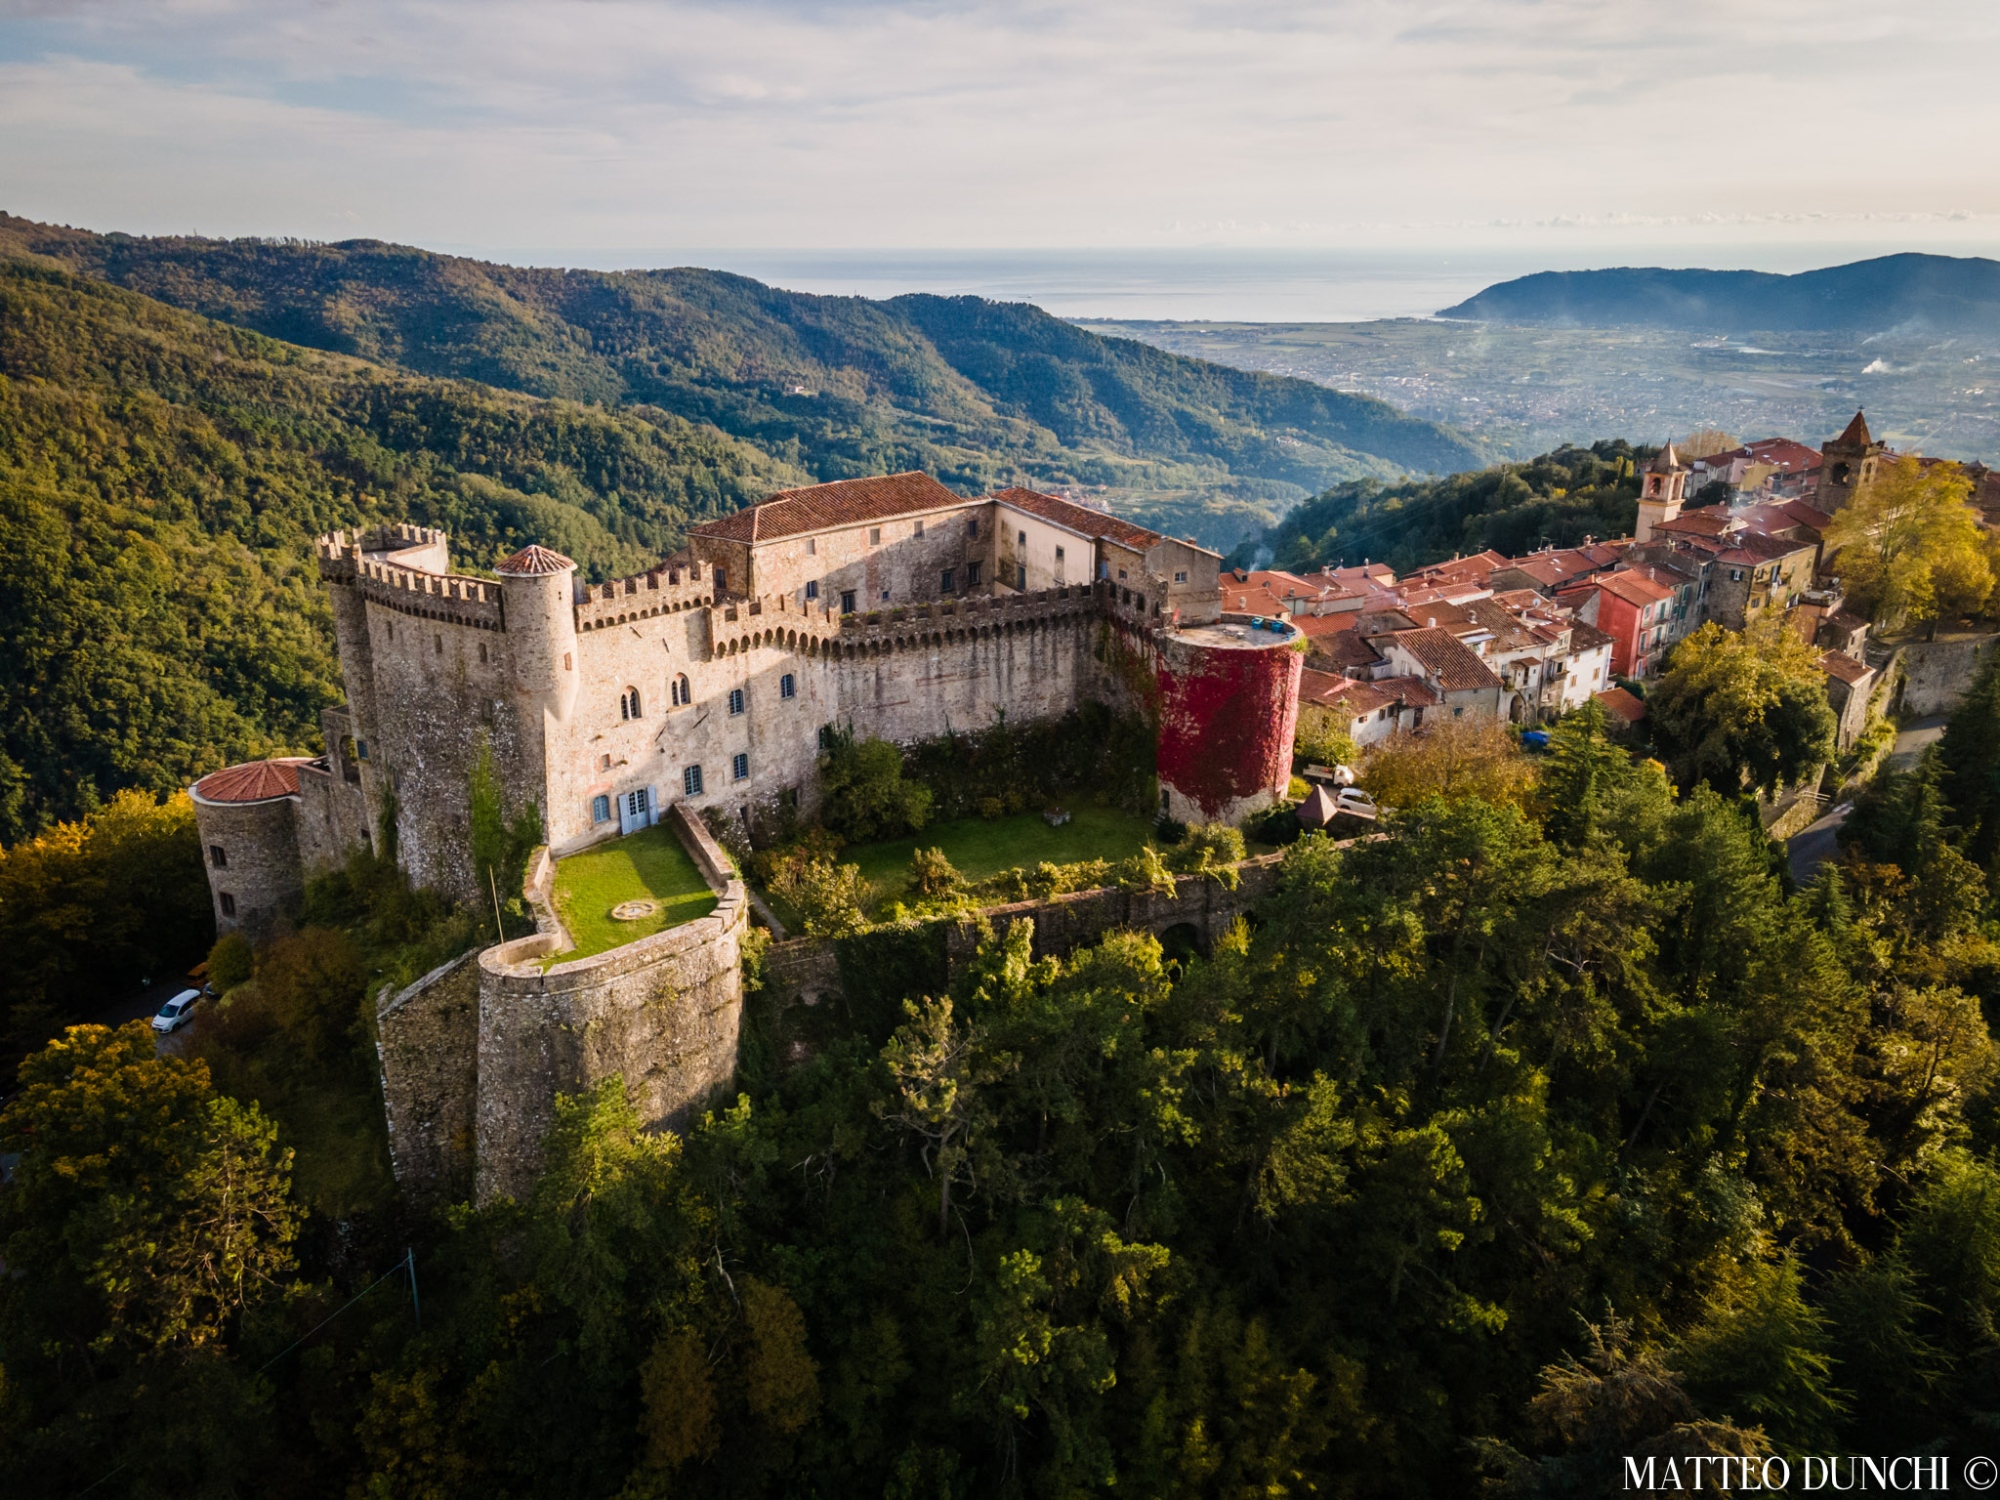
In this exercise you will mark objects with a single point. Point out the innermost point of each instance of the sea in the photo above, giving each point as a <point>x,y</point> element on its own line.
<point>1218,284</point>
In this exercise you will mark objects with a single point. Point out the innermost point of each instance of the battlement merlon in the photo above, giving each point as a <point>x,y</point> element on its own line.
<point>421,549</point>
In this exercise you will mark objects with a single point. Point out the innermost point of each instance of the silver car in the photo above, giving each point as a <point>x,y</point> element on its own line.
<point>177,1012</point>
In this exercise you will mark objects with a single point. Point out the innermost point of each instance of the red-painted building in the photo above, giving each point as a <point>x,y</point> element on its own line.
<point>1630,608</point>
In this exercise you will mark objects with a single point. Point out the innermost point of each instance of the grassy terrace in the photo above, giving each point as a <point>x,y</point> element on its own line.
<point>980,848</point>
<point>648,865</point>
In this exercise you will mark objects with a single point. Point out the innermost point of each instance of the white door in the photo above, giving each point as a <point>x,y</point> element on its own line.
<point>633,810</point>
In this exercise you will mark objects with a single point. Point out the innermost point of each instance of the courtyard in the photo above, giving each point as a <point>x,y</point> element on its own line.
<point>647,869</point>
<point>980,847</point>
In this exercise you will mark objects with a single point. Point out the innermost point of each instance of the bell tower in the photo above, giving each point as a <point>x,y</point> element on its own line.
<point>1846,465</point>
<point>1661,493</point>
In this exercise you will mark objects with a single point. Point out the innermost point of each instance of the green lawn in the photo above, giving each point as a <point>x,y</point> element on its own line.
<point>980,848</point>
<point>649,863</point>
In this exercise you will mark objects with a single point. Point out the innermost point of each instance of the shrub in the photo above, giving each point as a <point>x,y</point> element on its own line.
<point>864,794</point>
<point>1210,849</point>
<point>1146,871</point>
<point>829,899</point>
<point>230,962</point>
<point>991,808</point>
<point>931,874</point>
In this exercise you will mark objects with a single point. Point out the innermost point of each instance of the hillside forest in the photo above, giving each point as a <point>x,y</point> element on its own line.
<point>1552,1130</point>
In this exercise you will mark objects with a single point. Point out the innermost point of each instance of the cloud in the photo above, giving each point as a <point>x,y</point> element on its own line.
<point>789,123</point>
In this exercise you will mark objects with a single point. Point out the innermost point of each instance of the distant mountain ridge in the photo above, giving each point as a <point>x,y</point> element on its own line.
<point>1942,293</point>
<point>979,393</point>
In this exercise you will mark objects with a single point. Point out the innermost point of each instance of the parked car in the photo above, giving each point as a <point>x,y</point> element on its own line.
<point>1355,803</point>
<point>177,1012</point>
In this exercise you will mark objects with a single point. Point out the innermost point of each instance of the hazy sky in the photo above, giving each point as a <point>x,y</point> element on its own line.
<point>1157,123</point>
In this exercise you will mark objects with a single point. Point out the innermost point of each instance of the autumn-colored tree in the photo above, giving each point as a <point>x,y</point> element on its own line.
<point>1908,547</point>
<point>1450,758</point>
<point>1705,442</point>
<point>146,1211</point>
<point>1742,706</point>
<point>98,905</point>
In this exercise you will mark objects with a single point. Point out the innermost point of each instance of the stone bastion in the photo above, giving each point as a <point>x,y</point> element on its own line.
<point>475,1053</point>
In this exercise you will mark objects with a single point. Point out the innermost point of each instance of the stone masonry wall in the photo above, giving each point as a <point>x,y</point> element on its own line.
<point>260,870</point>
<point>1934,675</point>
<point>662,1013</point>
<point>427,1037</point>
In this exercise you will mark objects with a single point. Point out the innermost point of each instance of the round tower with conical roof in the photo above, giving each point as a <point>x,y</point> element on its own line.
<point>537,592</point>
<point>1662,488</point>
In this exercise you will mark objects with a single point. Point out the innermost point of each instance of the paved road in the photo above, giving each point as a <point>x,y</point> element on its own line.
<point>141,1005</point>
<point>1909,746</point>
<point>1814,845</point>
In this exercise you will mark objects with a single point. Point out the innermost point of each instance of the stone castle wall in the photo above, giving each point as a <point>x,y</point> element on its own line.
<point>661,1013</point>
<point>427,1038</point>
<point>1930,677</point>
<point>260,873</point>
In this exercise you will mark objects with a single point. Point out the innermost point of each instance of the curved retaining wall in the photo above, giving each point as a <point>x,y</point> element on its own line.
<point>662,1013</point>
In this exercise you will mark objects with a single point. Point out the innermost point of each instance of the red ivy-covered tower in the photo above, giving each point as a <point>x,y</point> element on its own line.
<point>1229,703</point>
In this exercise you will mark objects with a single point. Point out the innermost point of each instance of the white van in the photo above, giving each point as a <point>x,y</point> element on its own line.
<point>177,1012</point>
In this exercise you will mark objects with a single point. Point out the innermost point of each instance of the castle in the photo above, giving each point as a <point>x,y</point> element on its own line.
<point>886,607</point>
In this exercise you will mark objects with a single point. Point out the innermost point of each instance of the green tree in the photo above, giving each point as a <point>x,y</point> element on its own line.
<point>147,1212</point>
<point>864,796</point>
<point>1737,707</point>
<point>1908,546</point>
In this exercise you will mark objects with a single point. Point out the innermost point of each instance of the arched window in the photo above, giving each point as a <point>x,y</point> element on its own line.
<point>683,695</point>
<point>628,704</point>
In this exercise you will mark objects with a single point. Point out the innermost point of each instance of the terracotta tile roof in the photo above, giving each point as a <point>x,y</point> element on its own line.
<point>1340,650</point>
<point>1454,664</point>
<point>534,561</point>
<point>253,781</point>
<point>1846,668</point>
<point>1705,520</point>
<point>1856,433</point>
<point>819,507</point>
<point>1750,548</point>
<point>1326,688</point>
<point>1374,622</point>
<point>1621,705</point>
<point>1633,588</point>
<point>1080,518</point>
<point>1317,627</point>
<point>1584,636</point>
<point>1411,692</point>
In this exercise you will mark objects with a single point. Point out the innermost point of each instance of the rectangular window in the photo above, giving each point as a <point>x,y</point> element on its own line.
<point>788,686</point>
<point>1021,577</point>
<point>440,644</point>
<point>635,804</point>
<point>972,527</point>
<point>812,589</point>
<point>920,528</point>
<point>972,575</point>
<point>847,601</point>
<point>361,749</point>
<point>812,546</point>
<point>1180,577</point>
<point>228,904</point>
<point>739,768</point>
<point>1020,538</point>
<point>217,858</point>
<point>600,809</point>
<point>874,536</point>
<point>736,700</point>
<point>948,580</point>
<point>1059,554</point>
<point>691,781</point>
